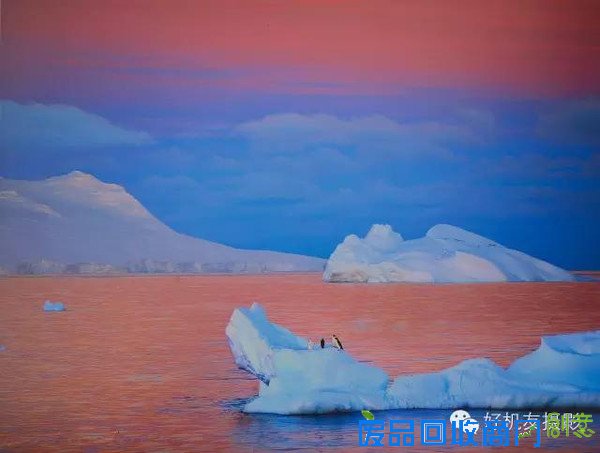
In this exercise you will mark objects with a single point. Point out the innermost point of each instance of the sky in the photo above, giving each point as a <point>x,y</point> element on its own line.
<point>286,125</point>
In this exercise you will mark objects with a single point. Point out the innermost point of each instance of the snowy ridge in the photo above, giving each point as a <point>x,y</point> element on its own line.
<point>45,223</point>
<point>446,254</point>
<point>563,371</point>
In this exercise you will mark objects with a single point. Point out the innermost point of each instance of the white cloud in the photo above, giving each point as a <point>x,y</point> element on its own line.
<point>293,132</point>
<point>28,127</point>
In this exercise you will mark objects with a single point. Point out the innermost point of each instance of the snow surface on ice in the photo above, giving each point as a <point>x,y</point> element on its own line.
<point>563,372</point>
<point>445,254</point>
<point>253,341</point>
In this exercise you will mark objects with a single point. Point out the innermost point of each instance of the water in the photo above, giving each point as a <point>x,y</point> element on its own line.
<point>142,363</point>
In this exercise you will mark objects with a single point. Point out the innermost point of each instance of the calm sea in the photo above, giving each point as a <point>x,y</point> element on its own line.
<point>142,363</point>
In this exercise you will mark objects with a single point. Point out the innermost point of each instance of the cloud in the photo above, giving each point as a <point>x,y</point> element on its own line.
<point>28,127</point>
<point>575,123</point>
<point>293,132</point>
<point>307,161</point>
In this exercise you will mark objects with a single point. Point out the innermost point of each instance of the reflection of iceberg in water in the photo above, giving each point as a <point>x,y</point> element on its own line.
<point>316,432</point>
<point>563,372</point>
<point>268,431</point>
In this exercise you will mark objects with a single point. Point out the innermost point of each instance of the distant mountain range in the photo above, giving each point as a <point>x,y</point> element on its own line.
<point>78,224</point>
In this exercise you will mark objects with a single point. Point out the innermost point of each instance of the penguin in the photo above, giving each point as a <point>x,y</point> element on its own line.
<point>336,342</point>
<point>311,345</point>
<point>322,343</point>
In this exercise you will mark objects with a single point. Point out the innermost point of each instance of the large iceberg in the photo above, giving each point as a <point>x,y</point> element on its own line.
<point>563,372</point>
<point>445,254</point>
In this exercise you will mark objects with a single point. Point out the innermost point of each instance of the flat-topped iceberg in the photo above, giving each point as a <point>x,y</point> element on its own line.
<point>445,254</point>
<point>563,372</point>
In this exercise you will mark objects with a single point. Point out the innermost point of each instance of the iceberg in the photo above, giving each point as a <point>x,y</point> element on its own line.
<point>54,306</point>
<point>563,372</point>
<point>446,254</point>
<point>253,340</point>
<point>295,379</point>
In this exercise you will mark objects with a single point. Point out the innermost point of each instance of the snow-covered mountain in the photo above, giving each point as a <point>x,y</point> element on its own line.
<point>446,254</point>
<point>78,224</point>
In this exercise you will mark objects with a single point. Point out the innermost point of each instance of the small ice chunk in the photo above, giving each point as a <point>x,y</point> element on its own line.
<point>54,306</point>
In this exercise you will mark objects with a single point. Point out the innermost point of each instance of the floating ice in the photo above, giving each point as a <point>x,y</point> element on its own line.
<point>53,306</point>
<point>563,372</point>
<point>253,341</point>
<point>446,254</point>
<point>295,379</point>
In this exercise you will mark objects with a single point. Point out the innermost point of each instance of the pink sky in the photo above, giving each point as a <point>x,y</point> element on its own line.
<point>533,48</point>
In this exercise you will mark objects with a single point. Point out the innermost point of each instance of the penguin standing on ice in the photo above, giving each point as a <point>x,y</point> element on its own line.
<point>311,345</point>
<point>336,342</point>
<point>322,343</point>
